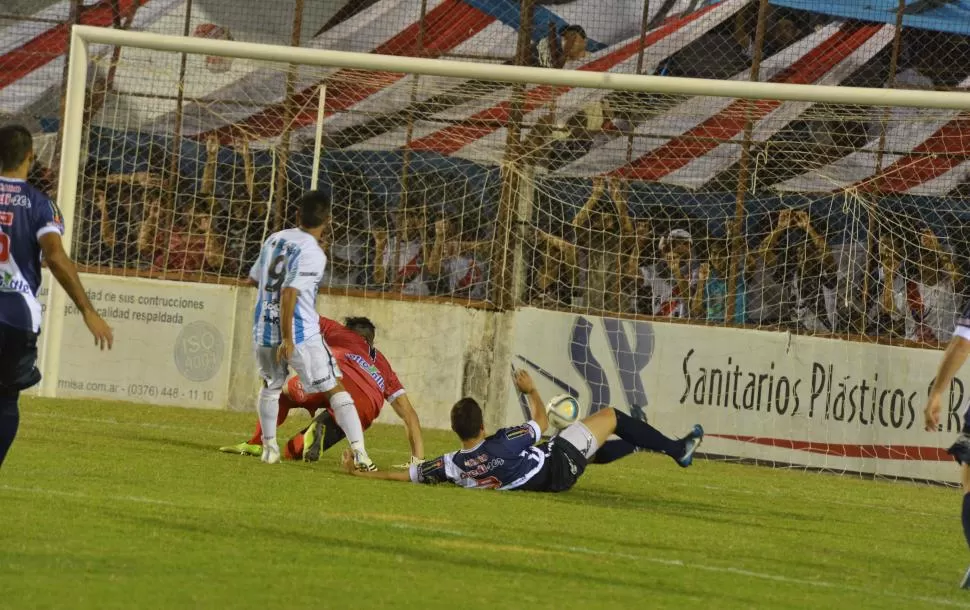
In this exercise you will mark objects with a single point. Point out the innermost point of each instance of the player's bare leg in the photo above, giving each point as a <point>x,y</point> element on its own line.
<point>608,422</point>
<point>345,414</point>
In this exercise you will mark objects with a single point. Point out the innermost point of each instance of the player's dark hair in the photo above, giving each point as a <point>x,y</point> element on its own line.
<point>466,418</point>
<point>15,144</point>
<point>573,28</point>
<point>314,208</point>
<point>362,326</point>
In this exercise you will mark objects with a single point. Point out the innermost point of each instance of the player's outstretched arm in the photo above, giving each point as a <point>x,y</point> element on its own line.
<point>953,359</point>
<point>412,426</point>
<point>65,273</point>
<point>347,461</point>
<point>524,384</point>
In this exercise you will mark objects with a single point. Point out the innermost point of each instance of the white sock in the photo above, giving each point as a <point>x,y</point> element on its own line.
<point>346,415</point>
<point>269,409</point>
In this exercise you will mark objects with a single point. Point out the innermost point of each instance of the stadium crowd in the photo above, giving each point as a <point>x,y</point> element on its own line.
<point>790,272</point>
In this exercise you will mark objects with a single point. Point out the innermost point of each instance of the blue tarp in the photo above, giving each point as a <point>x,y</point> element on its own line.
<point>951,16</point>
<point>509,13</point>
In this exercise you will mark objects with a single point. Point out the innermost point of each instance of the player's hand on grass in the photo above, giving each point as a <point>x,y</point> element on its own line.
<point>931,414</point>
<point>523,382</point>
<point>285,351</point>
<point>103,335</point>
<point>414,461</point>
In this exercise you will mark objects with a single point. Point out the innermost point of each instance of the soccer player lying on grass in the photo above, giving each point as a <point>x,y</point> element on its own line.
<point>367,376</point>
<point>511,459</point>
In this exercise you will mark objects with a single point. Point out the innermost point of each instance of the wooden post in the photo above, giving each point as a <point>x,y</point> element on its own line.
<point>736,229</point>
<point>872,244</point>
<point>504,237</point>
<point>404,204</point>
<point>289,111</point>
<point>171,178</point>
<point>644,22</point>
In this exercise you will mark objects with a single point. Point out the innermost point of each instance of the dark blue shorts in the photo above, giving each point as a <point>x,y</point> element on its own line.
<point>18,359</point>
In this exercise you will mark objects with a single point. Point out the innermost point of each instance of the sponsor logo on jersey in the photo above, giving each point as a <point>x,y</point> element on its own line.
<point>21,201</point>
<point>368,368</point>
<point>9,188</point>
<point>10,282</point>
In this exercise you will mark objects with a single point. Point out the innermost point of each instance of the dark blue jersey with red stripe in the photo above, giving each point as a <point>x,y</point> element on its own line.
<point>26,214</point>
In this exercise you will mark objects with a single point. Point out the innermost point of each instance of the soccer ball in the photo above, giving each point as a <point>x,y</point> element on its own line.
<point>563,410</point>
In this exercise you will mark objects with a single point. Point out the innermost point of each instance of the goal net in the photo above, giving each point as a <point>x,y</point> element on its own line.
<point>811,242</point>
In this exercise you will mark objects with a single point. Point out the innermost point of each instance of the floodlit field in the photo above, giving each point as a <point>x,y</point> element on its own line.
<point>119,506</point>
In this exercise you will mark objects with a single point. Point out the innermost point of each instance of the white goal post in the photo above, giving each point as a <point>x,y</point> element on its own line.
<point>84,37</point>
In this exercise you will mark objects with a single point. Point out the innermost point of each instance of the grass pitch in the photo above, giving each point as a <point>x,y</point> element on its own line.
<point>122,506</point>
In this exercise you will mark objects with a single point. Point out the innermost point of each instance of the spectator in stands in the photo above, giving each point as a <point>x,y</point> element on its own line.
<point>888,318</point>
<point>400,261</point>
<point>767,300</point>
<point>557,49</point>
<point>556,277</point>
<point>179,241</point>
<point>600,227</point>
<point>813,280</point>
<point>458,261</point>
<point>346,249</point>
<point>713,277</point>
<point>235,234</point>
<point>673,279</point>
<point>925,296</point>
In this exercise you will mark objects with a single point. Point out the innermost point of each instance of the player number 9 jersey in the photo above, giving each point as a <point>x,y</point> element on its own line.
<point>288,259</point>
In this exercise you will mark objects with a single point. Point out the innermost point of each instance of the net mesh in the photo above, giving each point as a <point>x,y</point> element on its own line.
<point>849,219</point>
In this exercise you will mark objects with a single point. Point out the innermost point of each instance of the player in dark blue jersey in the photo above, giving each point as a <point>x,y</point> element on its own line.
<point>953,360</point>
<point>30,231</point>
<point>514,458</point>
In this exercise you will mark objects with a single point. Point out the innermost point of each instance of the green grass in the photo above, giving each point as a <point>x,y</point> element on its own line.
<point>124,506</point>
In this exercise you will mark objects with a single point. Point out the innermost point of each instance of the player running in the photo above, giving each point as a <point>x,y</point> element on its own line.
<point>286,330</point>
<point>369,379</point>
<point>30,231</point>
<point>953,360</point>
<point>511,459</point>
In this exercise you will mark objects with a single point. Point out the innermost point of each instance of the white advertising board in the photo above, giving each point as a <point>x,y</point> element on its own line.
<point>172,343</point>
<point>772,396</point>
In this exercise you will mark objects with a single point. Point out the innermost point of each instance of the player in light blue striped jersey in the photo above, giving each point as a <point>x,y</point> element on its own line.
<point>286,327</point>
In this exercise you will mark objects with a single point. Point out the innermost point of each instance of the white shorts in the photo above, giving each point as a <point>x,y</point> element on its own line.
<point>312,360</point>
<point>579,436</point>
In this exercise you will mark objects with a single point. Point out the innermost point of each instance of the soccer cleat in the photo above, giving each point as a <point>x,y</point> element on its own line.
<point>691,442</point>
<point>313,439</point>
<point>243,448</point>
<point>960,450</point>
<point>965,583</point>
<point>362,462</point>
<point>271,453</point>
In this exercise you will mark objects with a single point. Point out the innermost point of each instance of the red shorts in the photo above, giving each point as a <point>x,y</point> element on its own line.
<point>295,397</point>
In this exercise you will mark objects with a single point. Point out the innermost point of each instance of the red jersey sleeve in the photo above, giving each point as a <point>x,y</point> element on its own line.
<point>328,327</point>
<point>392,385</point>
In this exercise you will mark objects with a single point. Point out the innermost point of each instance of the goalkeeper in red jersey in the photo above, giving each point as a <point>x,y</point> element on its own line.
<point>367,376</point>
